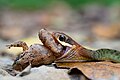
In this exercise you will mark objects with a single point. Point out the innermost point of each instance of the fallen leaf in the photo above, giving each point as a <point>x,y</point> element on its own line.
<point>95,70</point>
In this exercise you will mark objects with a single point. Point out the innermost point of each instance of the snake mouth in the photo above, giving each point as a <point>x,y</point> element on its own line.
<point>65,49</point>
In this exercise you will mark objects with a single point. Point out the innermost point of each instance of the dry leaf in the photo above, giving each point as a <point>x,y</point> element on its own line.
<point>95,70</point>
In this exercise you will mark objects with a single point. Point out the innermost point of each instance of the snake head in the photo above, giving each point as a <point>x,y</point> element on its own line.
<point>64,39</point>
<point>68,44</point>
<point>72,51</point>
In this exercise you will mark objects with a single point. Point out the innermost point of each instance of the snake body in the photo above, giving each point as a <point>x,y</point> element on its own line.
<point>105,54</point>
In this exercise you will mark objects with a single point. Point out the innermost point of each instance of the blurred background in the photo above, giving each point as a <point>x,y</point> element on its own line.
<point>92,23</point>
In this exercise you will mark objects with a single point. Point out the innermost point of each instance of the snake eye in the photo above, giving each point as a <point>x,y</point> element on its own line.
<point>62,38</point>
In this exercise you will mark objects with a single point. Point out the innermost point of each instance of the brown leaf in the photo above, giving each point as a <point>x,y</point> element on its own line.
<point>95,70</point>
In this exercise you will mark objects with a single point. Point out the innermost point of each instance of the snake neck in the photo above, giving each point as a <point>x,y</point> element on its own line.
<point>78,53</point>
<point>84,52</point>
